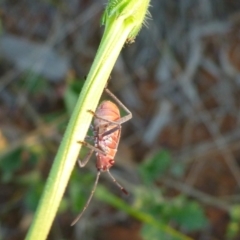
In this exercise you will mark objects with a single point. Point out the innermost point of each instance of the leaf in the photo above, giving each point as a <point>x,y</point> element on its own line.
<point>105,196</point>
<point>79,189</point>
<point>33,195</point>
<point>36,84</point>
<point>189,215</point>
<point>233,228</point>
<point>155,167</point>
<point>10,163</point>
<point>178,169</point>
<point>151,232</point>
<point>149,200</point>
<point>63,207</point>
<point>235,213</point>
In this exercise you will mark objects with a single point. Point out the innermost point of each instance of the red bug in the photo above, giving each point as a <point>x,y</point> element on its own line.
<point>106,136</point>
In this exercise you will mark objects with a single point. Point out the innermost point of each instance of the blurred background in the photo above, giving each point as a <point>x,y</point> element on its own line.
<point>179,157</point>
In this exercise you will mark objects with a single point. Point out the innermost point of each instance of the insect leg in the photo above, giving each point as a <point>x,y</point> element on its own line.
<point>88,145</point>
<point>122,119</point>
<point>111,131</point>
<point>88,201</point>
<point>129,114</point>
<point>104,119</point>
<point>82,163</point>
<point>110,123</point>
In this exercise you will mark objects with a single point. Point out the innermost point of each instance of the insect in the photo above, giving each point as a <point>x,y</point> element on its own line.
<point>106,135</point>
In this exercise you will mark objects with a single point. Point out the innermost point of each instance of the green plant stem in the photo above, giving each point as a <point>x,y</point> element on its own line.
<point>117,31</point>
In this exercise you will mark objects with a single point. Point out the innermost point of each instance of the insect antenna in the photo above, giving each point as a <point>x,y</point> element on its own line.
<point>117,183</point>
<point>88,201</point>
